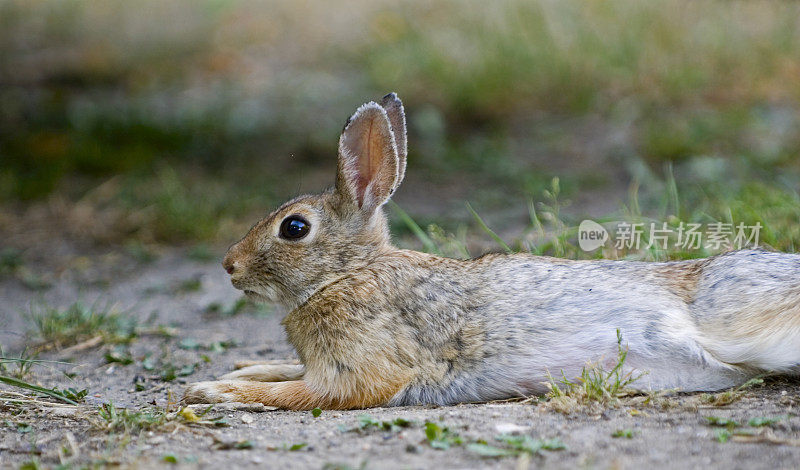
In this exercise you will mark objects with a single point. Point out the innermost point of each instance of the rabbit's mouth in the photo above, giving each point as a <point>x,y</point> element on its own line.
<point>253,295</point>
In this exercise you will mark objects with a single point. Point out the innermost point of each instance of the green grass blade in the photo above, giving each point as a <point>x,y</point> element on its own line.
<point>4,359</point>
<point>429,245</point>
<point>21,384</point>
<point>486,229</point>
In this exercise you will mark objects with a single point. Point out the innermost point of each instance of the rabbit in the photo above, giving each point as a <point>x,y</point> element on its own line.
<point>374,325</point>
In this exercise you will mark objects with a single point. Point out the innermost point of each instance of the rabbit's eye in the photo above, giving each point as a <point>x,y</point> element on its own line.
<point>294,227</point>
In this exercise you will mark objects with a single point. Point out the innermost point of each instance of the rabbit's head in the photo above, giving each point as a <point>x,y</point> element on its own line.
<point>312,240</point>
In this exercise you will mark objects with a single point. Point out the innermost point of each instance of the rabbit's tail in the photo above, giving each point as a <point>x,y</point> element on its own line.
<point>747,310</point>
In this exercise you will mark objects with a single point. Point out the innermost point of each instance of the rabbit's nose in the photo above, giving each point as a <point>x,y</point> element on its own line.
<point>228,264</point>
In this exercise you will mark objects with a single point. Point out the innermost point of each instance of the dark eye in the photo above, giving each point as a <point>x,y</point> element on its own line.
<point>294,227</point>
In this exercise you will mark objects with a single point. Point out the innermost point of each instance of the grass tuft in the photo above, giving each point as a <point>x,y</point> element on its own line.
<point>515,446</point>
<point>623,433</point>
<point>130,422</point>
<point>730,396</point>
<point>441,437</point>
<point>596,386</point>
<point>59,328</point>
<point>367,423</point>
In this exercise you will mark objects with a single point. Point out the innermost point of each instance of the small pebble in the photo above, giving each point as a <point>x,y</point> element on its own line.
<point>64,412</point>
<point>510,428</point>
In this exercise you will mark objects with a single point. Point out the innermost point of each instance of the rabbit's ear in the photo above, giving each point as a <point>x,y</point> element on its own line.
<point>368,160</point>
<point>397,118</point>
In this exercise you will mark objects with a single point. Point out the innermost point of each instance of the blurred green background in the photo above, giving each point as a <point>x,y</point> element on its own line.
<point>180,121</point>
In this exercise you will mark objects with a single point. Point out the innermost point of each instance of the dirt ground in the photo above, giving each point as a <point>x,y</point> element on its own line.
<point>176,291</point>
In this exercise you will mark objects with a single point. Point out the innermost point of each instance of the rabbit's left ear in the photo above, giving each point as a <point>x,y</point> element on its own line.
<point>368,161</point>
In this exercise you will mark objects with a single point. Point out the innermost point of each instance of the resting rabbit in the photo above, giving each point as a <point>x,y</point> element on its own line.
<point>377,325</point>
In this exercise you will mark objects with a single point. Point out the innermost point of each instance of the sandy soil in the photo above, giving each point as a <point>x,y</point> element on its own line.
<point>675,436</point>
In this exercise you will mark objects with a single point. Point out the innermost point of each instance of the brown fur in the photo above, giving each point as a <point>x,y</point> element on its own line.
<point>681,278</point>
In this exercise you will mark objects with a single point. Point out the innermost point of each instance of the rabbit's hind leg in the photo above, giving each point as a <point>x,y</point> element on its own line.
<point>267,373</point>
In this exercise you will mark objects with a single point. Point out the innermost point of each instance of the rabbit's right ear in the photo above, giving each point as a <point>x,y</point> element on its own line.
<point>397,117</point>
<point>368,161</point>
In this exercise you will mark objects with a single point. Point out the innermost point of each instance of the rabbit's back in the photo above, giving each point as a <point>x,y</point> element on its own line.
<point>538,314</point>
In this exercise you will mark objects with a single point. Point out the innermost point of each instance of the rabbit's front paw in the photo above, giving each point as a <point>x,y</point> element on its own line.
<point>292,395</point>
<point>208,392</point>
